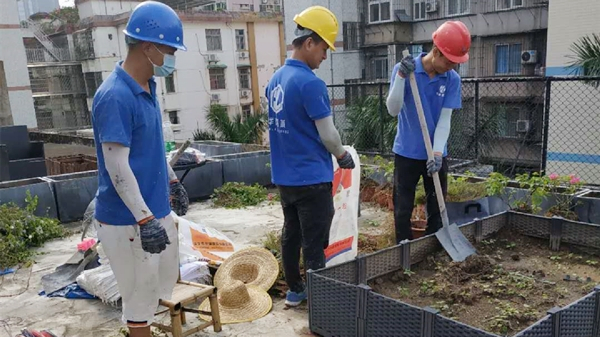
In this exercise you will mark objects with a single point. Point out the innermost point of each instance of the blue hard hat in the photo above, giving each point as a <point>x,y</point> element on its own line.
<point>156,22</point>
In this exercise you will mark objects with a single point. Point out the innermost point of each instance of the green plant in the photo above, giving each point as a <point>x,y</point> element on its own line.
<point>235,195</point>
<point>203,135</point>
<point>460,189</point>
<point>586,58</point>
<point>365,116</point>
<point>236,129</point>
<point>21,230</point>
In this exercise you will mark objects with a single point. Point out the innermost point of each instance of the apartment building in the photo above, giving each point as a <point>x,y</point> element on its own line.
<point>231,56</point>
<point>573,142</point>
<point>16,103</point>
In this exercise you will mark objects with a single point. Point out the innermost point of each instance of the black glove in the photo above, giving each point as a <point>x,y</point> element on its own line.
<point>407,66</point>
<point>153,236</point>
<point>434,165</point>
<point>346,162</point>
<point>179,198</point>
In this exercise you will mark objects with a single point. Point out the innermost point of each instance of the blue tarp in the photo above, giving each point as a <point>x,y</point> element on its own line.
<point>71,291</point>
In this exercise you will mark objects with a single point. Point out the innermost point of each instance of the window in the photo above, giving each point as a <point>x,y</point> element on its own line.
<point>270,8</point>
<point>457,7</point>
<point>173,116</point>
<point>170,83</point>
<point>244,78</point>
<point>419,10</point>
<point>508,59</point>
<point>380,68</point>
<point>217,78</point>
<point>379,11</point>
<point>240,39</point>
<point>92,82</point>
<point>350,35</point>
<point>246,7</point>
<point>508,4</point>
<point>463,69</point>
<point>213,39</point>
<point>246,111</point>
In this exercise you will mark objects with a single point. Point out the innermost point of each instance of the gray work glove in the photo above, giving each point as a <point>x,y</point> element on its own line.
<point>153,236</point>
<point>434,165</point>
<point>179,198</point>
<point>346,162</point>
<point>407,66</point>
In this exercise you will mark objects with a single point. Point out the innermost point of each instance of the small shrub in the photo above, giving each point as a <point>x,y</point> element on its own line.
<point>236,195</point>
<point>21,230</point>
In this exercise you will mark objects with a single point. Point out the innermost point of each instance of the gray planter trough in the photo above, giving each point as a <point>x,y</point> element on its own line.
<point>202,181</point>
<point>215,148</point>
<point>341,303</point>
<point>16,191</point>
<point>587,206</point>
<point>465,212</point>
<point>73,193</point>
<point>248,168</point>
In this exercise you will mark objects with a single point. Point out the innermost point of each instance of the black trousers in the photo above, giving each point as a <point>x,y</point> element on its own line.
<point>407,173</point>
<point>308,212</point>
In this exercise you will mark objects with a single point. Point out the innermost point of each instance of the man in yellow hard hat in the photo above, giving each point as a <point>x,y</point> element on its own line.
<point>303,138</point>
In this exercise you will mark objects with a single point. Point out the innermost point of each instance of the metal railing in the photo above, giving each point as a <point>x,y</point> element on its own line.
<point>510,125</point>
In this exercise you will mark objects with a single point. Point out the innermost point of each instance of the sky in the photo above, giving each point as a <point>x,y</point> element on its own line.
<point>64,3</point>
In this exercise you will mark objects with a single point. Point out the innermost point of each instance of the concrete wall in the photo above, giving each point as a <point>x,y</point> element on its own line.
<point>15,66</point>
<point>574,140</point>
<point>486,24</point>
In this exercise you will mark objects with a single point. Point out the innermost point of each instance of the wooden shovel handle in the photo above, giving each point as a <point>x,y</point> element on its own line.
<point>436,177</point>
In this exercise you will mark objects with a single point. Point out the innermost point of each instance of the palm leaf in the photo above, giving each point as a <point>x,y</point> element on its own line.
<point>586,58</point>
<point>236,129</point>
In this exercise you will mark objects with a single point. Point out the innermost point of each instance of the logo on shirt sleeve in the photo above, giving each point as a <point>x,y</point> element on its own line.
<point>277,99</point>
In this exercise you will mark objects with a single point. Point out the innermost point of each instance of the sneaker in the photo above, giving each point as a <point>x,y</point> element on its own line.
<point>295,298</point>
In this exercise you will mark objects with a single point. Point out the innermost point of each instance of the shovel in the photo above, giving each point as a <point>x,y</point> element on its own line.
<point>451,238</point>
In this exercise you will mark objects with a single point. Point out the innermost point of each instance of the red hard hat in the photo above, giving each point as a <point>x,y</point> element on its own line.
<point>453,39</point>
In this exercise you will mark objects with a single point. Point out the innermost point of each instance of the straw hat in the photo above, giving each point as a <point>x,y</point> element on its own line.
<point>239,303</point>
<point>252,266</point>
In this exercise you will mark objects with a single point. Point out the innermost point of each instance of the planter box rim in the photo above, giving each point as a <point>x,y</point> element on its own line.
<point>72,176</point>
<point>22,182</point>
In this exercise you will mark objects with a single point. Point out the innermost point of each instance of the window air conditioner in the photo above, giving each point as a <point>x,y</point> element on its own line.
<point>522,126</point>
<point>528,57</point>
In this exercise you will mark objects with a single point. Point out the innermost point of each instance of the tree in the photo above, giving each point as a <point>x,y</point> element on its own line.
<point>237,129</point>
<point>586,60</point>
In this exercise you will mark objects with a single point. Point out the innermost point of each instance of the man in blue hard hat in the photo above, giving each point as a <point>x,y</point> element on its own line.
<point>136,186</point>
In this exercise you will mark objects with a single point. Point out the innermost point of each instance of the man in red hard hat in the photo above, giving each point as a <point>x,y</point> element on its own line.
<point>440,90</point>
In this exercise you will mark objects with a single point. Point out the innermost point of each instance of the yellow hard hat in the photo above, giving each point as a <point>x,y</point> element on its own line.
<point>321,21</point>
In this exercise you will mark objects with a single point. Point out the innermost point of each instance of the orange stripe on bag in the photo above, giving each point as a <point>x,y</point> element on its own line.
<point>203,242</point>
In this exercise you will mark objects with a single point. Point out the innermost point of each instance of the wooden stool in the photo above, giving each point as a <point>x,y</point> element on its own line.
<point>186,293</point>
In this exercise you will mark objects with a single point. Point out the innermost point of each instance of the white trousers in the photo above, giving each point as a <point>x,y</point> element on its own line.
<point>142,278</point>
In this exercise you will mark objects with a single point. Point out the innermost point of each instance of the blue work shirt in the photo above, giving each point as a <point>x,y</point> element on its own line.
<point>123,112</point>
<point>442,91</point>
<point>297,97</point>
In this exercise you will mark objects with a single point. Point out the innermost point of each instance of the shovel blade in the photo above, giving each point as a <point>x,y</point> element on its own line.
<point>455,243</point>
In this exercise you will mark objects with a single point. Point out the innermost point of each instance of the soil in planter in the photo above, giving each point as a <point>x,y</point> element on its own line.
<point>510,285</point>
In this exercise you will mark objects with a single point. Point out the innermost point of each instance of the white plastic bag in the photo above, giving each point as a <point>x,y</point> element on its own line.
<point>199,242</point>
<point>189,156</point>
<point>343,236</point>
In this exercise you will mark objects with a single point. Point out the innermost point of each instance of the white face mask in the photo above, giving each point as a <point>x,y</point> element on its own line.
<point>168,66</point>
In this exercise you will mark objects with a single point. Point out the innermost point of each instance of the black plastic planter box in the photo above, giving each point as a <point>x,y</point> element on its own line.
<point>215,148</point>
<point>465,212</point>
<point>16,192</point>
<point>342,304</point>
<point>587,206</point>
<point>73,193</point>
<point>248,168</point>
<point>202,181</point>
